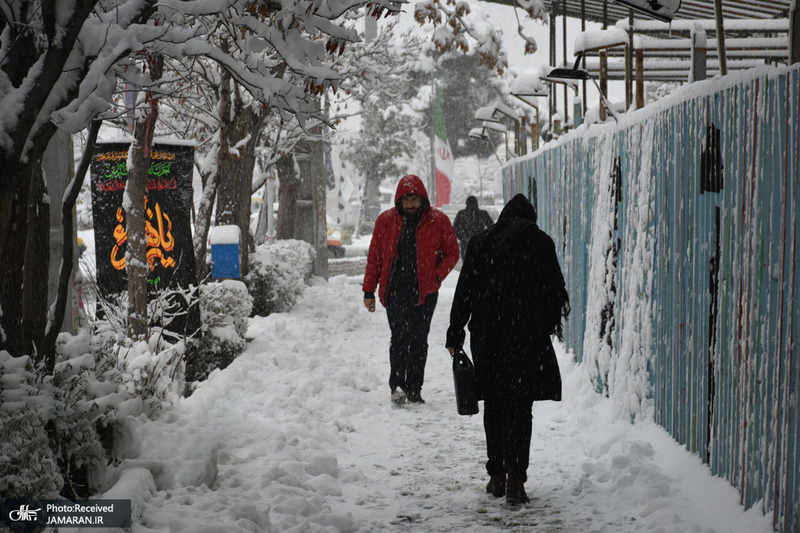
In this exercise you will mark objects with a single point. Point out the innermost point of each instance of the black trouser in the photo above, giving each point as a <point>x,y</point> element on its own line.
<point>507,420</point>
<point>408,350</point>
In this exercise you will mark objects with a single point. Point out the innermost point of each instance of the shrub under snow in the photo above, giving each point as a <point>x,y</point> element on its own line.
<point>60,432</point>
<point>279,272</point>
<point>27,464</point>
<point>225,308</point>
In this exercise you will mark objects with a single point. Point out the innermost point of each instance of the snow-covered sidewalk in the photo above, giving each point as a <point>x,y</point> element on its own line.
<point>298,434</point>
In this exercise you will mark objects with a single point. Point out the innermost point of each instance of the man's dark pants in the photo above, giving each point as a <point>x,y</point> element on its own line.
<point>408,351</point>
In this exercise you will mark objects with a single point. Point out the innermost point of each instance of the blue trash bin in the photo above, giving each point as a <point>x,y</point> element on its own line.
<point>225,244</point>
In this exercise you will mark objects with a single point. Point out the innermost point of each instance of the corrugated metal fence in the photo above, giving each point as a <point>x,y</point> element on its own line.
<point>678,233</point>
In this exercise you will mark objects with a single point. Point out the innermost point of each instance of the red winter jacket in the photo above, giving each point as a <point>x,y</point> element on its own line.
<point>437,245</point>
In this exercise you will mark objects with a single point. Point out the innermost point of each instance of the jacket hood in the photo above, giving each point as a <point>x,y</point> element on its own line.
<point>472,202</point>
<point>518,207</point>
<point>514,225</point>
<point>411,184</point>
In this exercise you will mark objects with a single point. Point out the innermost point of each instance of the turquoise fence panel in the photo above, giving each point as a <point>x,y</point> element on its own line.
<point>789,504</point>
<point>678,232</point>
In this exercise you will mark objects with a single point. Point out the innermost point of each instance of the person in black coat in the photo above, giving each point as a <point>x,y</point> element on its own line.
<point>470,221</point>
<point>511,292</point>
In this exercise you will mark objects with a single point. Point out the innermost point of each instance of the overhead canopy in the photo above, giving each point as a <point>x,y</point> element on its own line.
<point>689,9</point>
<point>655,47</point>
<point>668,59</point>
<point>756,31</point>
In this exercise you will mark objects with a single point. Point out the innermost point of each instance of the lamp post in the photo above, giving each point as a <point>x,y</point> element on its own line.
<point>491,116</point>
<point>572,76</point>
<point>480,133</point>
<point>496,126</point>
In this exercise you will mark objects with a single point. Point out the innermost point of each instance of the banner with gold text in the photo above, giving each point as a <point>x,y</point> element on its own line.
<point>168,204</point>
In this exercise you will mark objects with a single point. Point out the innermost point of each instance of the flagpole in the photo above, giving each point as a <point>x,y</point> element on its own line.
<point>432,181</point>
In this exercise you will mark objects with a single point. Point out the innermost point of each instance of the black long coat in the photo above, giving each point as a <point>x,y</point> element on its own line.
<point>511,292</point>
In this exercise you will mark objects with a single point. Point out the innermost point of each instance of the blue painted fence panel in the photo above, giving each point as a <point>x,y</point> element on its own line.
<point>686,294</point>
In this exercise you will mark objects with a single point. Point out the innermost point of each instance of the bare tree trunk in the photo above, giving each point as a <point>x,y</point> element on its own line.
<point>48,351</point>
<point>236,159</point>
<point>14,228</point>
<point>203,224</point>
<point>21,152</point>
<point>37,264</point>
<point>135,191</point>
<point>135,256</point>
<point>25,252</point>
<point>287,196</point>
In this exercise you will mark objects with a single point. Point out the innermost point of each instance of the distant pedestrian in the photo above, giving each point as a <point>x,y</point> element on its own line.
<point>413,248</point>
<point>470,221</point>
<point>512,294</point>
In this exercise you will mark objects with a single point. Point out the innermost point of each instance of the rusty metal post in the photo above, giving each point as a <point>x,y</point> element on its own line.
<point>723,61</point>
<point>639,78</point>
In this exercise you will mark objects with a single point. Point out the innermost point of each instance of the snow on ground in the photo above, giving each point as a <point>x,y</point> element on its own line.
<point>298,434</point>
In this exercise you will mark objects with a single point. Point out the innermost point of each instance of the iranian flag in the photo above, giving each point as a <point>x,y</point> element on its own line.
<point>443,157</point>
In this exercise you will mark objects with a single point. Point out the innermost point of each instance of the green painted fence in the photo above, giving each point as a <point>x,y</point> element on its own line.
<point>678,233</point>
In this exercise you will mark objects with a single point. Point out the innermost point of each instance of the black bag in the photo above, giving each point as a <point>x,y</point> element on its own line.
<point>466,383</point>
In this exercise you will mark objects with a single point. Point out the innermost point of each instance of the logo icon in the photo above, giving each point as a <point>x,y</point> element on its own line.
<point>443,153</point>
<point>24,514</point>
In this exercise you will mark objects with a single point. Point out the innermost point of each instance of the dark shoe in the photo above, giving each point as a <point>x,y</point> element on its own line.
<point>497,486</point>
<point>515,489</point>
<point>414,397</point>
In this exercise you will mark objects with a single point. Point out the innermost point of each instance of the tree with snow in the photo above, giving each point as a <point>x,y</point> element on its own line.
<point>454,26</point>
<point>60,67</point>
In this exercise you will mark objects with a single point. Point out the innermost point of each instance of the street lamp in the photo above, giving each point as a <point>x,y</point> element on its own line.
<point>572,76</point>
<point>495,126</point>
<point>491,116</point>
<point>577,114</point>
<point>663,10</point>
<point>486,113</point>
<point>480,133</point>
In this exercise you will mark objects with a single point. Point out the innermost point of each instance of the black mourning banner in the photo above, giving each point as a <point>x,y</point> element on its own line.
<point>168,203</point>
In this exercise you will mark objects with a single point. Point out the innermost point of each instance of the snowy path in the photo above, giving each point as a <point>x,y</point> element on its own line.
<point>298,434</point>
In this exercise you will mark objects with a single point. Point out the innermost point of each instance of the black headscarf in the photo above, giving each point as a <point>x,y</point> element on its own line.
<point>514,226</point>
<point>518,207</point>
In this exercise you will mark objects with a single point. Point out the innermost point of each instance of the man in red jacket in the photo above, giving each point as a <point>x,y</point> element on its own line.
<point>413,248</point>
